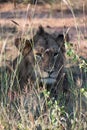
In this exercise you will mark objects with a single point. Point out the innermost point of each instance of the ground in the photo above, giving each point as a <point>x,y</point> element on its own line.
<point>54,17</point>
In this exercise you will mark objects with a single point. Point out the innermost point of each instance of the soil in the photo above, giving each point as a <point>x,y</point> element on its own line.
<point>52,18</point>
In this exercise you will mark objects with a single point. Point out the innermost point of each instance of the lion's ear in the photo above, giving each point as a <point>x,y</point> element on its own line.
<point>23,45</point>
<point>60,40</point>
<point>40,30</point>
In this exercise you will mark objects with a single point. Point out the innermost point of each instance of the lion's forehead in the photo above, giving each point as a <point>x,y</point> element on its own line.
<point>43,44</point>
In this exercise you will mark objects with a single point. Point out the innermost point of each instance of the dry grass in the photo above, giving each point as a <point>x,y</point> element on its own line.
<point>70,116</point>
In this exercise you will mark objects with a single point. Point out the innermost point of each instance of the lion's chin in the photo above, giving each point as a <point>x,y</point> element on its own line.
<point>48,80</point>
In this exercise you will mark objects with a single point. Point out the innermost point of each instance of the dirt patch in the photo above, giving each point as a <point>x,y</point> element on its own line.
<point>29,17</point>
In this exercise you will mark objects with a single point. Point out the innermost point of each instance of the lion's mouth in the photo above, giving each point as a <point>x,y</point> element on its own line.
<point>48,80</point>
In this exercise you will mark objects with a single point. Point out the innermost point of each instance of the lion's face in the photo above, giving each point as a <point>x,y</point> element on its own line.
<point>43,58</point>
<point>49,59</point>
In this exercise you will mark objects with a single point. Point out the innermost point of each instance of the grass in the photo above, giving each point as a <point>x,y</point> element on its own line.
<point>37,111</point>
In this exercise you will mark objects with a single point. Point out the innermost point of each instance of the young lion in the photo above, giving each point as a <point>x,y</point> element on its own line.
<point>42,60</point>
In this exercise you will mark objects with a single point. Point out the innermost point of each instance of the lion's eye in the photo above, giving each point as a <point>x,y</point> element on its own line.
<point>38,54</point>
<point>55,54</point>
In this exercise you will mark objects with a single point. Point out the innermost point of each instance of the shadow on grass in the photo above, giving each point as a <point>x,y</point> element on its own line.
<point>55,13</point>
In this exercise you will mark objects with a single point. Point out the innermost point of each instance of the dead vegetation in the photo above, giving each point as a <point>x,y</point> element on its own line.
<point>69,111</point>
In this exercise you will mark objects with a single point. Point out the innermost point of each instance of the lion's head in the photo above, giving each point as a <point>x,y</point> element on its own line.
<point>43,58</point>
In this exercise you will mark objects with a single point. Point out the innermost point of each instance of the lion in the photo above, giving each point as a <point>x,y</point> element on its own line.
<point>42,60</point>
<point>40,64</point>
